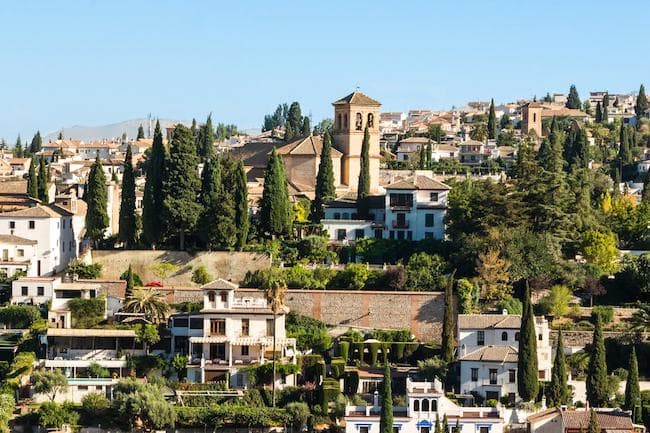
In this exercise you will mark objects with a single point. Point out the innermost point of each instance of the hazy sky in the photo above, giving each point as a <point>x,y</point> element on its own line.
<point>66,63</point>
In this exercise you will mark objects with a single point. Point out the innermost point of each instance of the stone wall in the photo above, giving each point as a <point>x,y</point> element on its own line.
<point>227,265</point>
<point>578,339</point>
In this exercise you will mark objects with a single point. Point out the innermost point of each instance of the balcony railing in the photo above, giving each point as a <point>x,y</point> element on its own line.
<point>400,225</point>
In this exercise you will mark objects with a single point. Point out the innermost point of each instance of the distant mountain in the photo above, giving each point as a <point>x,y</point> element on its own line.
<point>89,133</point>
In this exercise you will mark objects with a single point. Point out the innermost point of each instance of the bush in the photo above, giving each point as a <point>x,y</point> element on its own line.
<point>83,270</point>
<point>511,305</point>
<point>95,409</point>
<point>314,249</point>
<point>373,349</point>
<point>137,281</point>
<point>312,368</point>
<point>309,333</point>
<point>87,313</point>
<point>424,271</point>
<point>357,350</point>
<point>491,403</point>
<point>19,316</point>
<point>52,414</point>
<point>330,390</point>
<point>96,370</point>
<point>351,382</point>
<point>344,350</point>
<point>606,313</point>
<point>395,277</point>
<point>398,351</point>
<point>353,276</point>
<point>297,414</point>
<point>337,367</point>
<point>201,276</point>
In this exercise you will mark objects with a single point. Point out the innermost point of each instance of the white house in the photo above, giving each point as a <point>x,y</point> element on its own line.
<point>230,332</point>
<point>425,401</point>
<point>410,147</point>
<point>443,151</point>
<point>33,290</point>
<point>487,353</point>
<point>18,254</point>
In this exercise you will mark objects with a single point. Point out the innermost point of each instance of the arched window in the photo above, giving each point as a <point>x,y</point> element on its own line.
<point>211,296</point>
<point>504,336</point>
<point>425,405</point>
<point>338,123</point>
<point>359,122</point>
<point>416,405</point>
<point>345,121</point>
<point>434,405</point>
<point>224,296</point>
<point>371,120</point>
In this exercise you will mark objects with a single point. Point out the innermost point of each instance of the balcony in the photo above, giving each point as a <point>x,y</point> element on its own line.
<point>400,224</point>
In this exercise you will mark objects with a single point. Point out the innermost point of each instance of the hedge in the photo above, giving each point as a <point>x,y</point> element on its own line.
<point>312,367</point>
<point>606,313</point>
<point>373,349</point>
<point>87,313</point>
<point>344,350</point>
<point>357,349</point>
<point>231,415</point>
<point>329,391</point>
<point>19,316</point>
<point>263,373</point>
<point>337,367</point>
<point>351,382</point>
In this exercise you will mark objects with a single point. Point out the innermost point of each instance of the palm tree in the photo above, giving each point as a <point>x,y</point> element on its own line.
<point>276,290</point>
<point>150,303</point>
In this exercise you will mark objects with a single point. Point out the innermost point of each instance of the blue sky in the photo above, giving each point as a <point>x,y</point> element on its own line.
<point>67,63</point>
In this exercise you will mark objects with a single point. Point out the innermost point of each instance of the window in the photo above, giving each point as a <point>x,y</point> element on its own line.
<point>493,376</point>
<point>180,322</point>
<point>23,291</point>
<point>245,327</point>
<point>428,220</point>
<point>196,323</point>
<point>512,376</point>
<point>395,429</point>
<point>401,220</point>
<point>337,216</point>
<point>425,405</point>
<point>211,296</point>
<point>391,234</point>
<point>434,405</point>
<point>428,235</point>
<point>338,123</point>
<point>12,224</point>
<point>480,338</point>
<point>82,387</point>
<point>40,291</point>
<point>541,374</point>
<point>516,336</point>
<point>371,120</point>
<point>401,200</point>
<point>409,235</point>
<point>534,117</point>
<point>359,234</point>
<point>484,430</point>
<point>346,216</point>
<point>218,327</point>
<point>359,122</point>
<point>345,120</point>
<point>379,234</point>
<point>20,252</point>
<point>425,430</point>
<point>540,337</point>
<point>244,350</point>
<point>504,336</point>
<point>363,429</point>
<point>400,235</point>
<point>474,374</point>
<point>63,224</point>
<point>224,297</point>
<point>269,327</point>
<point>355,216</point>
<point>433,196</point>
<point>416,405</point>
<point>32,224</point>
<point>340,234</point>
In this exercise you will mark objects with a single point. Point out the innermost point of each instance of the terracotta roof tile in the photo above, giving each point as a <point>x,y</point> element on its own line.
<point>485,321</point>
<point>492,353</point>
<point>357,98</point>
<point>607,420</point>
<point>418,182</point>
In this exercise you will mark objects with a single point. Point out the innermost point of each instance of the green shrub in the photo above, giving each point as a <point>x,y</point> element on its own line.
<point>344,350</point>
<point>357,350</point>
<point>51,414</point>
<point>373,349</point>
<point>87,313</point>
<point>351,382</point>
<point>83,270</point>
<point>201,276</point>
<point>330,390</point>
<point>337,367</point>
<point>491,403</point>
<point>353,276</point>
<point>312,367</point>
<point>137,281</point>
<point>19,316</point>
<point>398,351</point>
<point>606,313</point>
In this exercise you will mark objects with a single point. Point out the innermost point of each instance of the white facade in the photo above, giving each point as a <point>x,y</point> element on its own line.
<point>17,254</point>
<point>33,290</point>
<point>425,402</point>
<point>229,333</point>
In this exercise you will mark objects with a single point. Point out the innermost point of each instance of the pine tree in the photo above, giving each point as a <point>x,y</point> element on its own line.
<point>294,118</point>
<point>140,133</point>
<point>573,100</point>
<point>558,393</point>
<point>306,126</point>
<point>448,323</point>
<point>386,414</point>
<point>632,390</point>
<point>181,184</point>
<point>527,382</point>
<point>32,180</point>
<point>492,122</point>
<point>42,180</point>
<point>152,202</point>
<point>240,198</point>
<point>325,189</point>
<point>96,195</point>
<point>36,144</point>
<point>275,211</point>
<point>593,422</point>
<point>597,372</point>
<point>363,188</point>
<point>288,133</point>
<point>128,233</point>
<point>130,284</point>
<point>641,102</point>
<point>599,113</point>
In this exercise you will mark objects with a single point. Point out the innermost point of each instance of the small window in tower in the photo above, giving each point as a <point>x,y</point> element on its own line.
<point>371,120</point>
<point>359,123</point>
<point>345,121</point>
<point>534,117</point>
<point>338,123</point>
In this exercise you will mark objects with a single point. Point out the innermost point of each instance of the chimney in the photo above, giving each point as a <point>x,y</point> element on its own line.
<point>375,398</point>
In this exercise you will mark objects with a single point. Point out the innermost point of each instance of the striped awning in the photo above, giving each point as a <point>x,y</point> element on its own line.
<point>245,341</point>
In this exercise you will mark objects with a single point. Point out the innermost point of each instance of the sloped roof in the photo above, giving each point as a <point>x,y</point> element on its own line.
<point>607,420</point>
<point>418,182</point>
<point>13,187</point>
<point>492,353</point>
<point>416,140</point>
<point>357,98</point>
<point>484,321</point>
<point>219,284</point>
<point>16,240</point>
<point>39,211</point>
<point>311,145</point>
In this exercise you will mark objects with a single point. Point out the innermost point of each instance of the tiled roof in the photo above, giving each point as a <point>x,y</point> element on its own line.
<point>38,211</point>
<point>219,284</point>
<point>418,182</point>
<point>607,420</point>
<point>73,332</point>
<point>349,200</point>
<point>312,145</point>
<point>484,321</point>
<point>13,187</point>
<point>492,353</point>
<point>357,98</point>
<point>416,140</point>
<point>16,240</point>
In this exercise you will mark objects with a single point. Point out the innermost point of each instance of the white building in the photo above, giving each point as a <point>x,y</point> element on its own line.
<point>425,402</point>
<point>409,148</point>
<point>18,254</point>
<point>412,209</point>
<point>230,332</point>
<point>33,290</point>
<point>487,353</point>
<point>443,151</point>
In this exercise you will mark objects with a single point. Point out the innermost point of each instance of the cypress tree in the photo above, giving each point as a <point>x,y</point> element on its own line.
<point>240,197</point>
<point>18,148</point>
<point>42,180</point>
<point>288,133</point>
<point>152,202</point>
<point>599,113</point>
<point>306,126</point>
<point>527,382</point>
<point>573,100</point>
<point>32,180</point>
<point>218,220</point>
<point>605,114</point>
<point>593,422</point>
<point>558,393</point>
<point>294,118</point>
<point>437,428</point>
<point>632,390</point>
<point>645,195</point>
<point>445,424</point>
<point>140,133</point>
<point>492,122</point>
<point>386,414</point>
<point>181,184</point>
<point>206,139</point>
<point>616,192</point>
<point>96,215</point>
<point>275,210</point>
<point>130,284</point>
<point>597,372</point>
<point>325,189</point>
<point>641,102</point>
<point>448,323</point>
<point>127,233</point>
<point>624,151</point>
<point>363,188</point>
<point>36,144</point>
